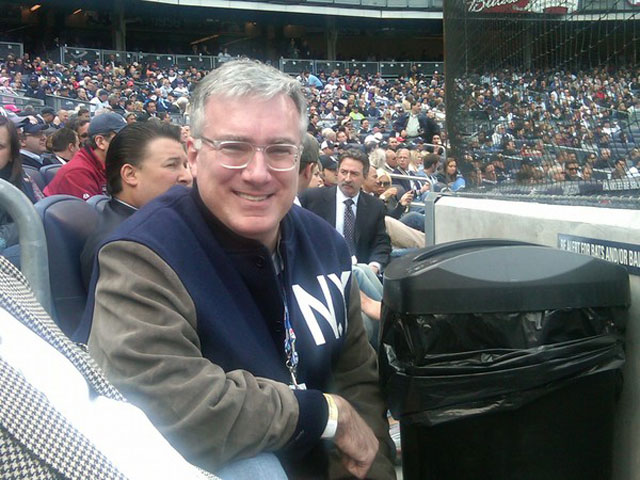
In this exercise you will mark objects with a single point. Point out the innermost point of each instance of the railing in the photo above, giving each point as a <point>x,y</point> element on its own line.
<point>65,103</point>
<point>9,48</point>
<point>20,101</point>
<point>386,69</point>
<point>206,62</point>
<point>34,261</point>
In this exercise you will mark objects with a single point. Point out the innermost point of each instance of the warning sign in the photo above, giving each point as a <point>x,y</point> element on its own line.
<point>624,254</point>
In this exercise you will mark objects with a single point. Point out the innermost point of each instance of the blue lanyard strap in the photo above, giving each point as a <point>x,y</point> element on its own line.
<point>290,335</point>
<point>290,344</point>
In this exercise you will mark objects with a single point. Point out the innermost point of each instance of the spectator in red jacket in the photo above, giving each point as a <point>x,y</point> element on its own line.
<point>84,176</point>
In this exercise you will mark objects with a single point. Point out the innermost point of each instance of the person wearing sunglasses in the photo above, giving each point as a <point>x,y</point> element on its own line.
<point>229,315</point>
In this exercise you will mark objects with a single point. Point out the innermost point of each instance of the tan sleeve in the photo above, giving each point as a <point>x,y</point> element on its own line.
<point>356,379</point>
<point>144,337</point>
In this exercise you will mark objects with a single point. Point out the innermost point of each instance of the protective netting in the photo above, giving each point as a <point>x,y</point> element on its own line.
<point>543,96</point>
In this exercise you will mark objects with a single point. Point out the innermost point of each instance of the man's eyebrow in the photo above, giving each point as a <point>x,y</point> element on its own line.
<point>240,138</point>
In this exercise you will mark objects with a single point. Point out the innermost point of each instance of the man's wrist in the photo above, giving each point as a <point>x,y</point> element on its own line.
<point>332,418</point>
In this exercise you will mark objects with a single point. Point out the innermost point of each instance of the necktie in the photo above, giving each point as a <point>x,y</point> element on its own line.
<point>349,225</point>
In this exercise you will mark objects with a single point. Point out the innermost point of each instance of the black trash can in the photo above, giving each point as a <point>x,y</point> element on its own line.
<point>502,360</point>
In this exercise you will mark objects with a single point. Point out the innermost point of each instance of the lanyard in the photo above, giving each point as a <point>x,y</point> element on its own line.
<point>290,335</point>
<point>290,345</point>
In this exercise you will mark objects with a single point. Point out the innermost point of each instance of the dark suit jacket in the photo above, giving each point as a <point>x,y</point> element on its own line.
<point>30,162</point>
<point>405,184</point>
<point>113,214</point>
<point>428,126</point>
<point>372,241</point>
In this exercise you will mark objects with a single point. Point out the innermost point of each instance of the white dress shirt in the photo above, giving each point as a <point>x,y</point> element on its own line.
<point>340,208</point>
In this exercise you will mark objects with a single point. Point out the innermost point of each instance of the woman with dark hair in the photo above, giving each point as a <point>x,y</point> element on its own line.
<point>451,177</point>
<point>11,171</point>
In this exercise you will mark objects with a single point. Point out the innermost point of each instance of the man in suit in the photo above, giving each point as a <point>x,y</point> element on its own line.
<point>414,124</point>
<point>59,416</point>
<point>359,218</point>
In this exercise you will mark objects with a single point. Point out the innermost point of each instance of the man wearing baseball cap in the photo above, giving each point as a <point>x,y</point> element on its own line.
<point>84,176</point>
<point>33,143</point>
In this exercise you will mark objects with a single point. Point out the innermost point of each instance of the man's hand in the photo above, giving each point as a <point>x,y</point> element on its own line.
<point>388,193</point>
<point>426,187</point>
<point>370,307</point>
<point>407,198</point>
<point>355,440</point>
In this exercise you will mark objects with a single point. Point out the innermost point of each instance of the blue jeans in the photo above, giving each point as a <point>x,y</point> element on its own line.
<point>371,286</point>
<point>264,466</point>
<point>414,220</point>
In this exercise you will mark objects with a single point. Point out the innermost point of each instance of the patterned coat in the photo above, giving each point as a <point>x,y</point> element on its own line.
<point>36,441</point>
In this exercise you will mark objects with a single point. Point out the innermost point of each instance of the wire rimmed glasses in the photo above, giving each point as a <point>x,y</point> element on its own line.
<point>236,155</point>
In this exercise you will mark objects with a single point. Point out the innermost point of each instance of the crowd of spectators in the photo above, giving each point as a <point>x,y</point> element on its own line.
<point>546,126</point>
<point>522,128</point>
<point>538,127</point>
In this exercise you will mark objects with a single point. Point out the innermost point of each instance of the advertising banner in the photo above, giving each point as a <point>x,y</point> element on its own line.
<point>558,7</point>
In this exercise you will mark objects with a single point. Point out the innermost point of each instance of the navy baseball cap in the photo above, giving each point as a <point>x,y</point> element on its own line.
<point>33,128</point>
<point>328,162</point>
<point>105,123</point>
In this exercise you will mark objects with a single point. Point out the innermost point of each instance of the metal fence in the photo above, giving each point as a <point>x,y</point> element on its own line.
<point>9,48</point>
<point>205,62</point>
<point>21,102</point>
<point>386,69</point>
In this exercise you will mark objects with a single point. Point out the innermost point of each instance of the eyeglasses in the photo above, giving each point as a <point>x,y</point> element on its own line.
<point>572,169</point>
<point>280,157</point>
<point>383,184</point>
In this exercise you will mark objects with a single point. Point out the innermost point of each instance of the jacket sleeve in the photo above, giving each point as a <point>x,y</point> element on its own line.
<point>8,232</point>
<point>144,337</point>
<point>356,379</point>
<point>381,246</point>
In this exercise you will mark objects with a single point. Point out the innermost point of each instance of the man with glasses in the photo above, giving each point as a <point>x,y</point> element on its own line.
<point>33,143</point>
<point>572,171</point>
<point>230,316</point>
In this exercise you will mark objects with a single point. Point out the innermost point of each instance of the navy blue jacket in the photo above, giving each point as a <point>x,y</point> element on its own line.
<point>239,298</point>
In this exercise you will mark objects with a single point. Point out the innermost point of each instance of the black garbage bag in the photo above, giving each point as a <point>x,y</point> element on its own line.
<point>441,367</point>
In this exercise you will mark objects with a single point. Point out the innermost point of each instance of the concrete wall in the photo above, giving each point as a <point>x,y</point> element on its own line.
<point>463,218</point>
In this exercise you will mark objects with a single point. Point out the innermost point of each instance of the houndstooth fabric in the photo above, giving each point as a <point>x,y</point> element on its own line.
<point>36,442</point>
<point>31,419</point>
<point>17,463</point>
<point>16,297</point>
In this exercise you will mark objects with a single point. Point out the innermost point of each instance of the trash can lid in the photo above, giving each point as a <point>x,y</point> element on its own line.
<point>494,275</point>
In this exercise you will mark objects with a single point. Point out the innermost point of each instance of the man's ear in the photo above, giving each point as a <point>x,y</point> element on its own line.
<point>129,175</point>
<point>307,171</point>
<point>102,143</point>
<point>192,156</point>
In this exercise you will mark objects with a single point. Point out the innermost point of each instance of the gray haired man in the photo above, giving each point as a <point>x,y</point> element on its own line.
<point>218,314</point>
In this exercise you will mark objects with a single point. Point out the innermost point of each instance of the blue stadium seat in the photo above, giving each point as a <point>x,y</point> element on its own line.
<point>49,171</point>
<point>35,176</point>
<point>98,202</point>
<point>68,221</point>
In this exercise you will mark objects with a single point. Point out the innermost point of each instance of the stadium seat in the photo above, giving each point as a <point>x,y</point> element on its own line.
<point>35,176</point>
<point>49,171</point>
<point>98,202</point>
<point>68,221</point>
